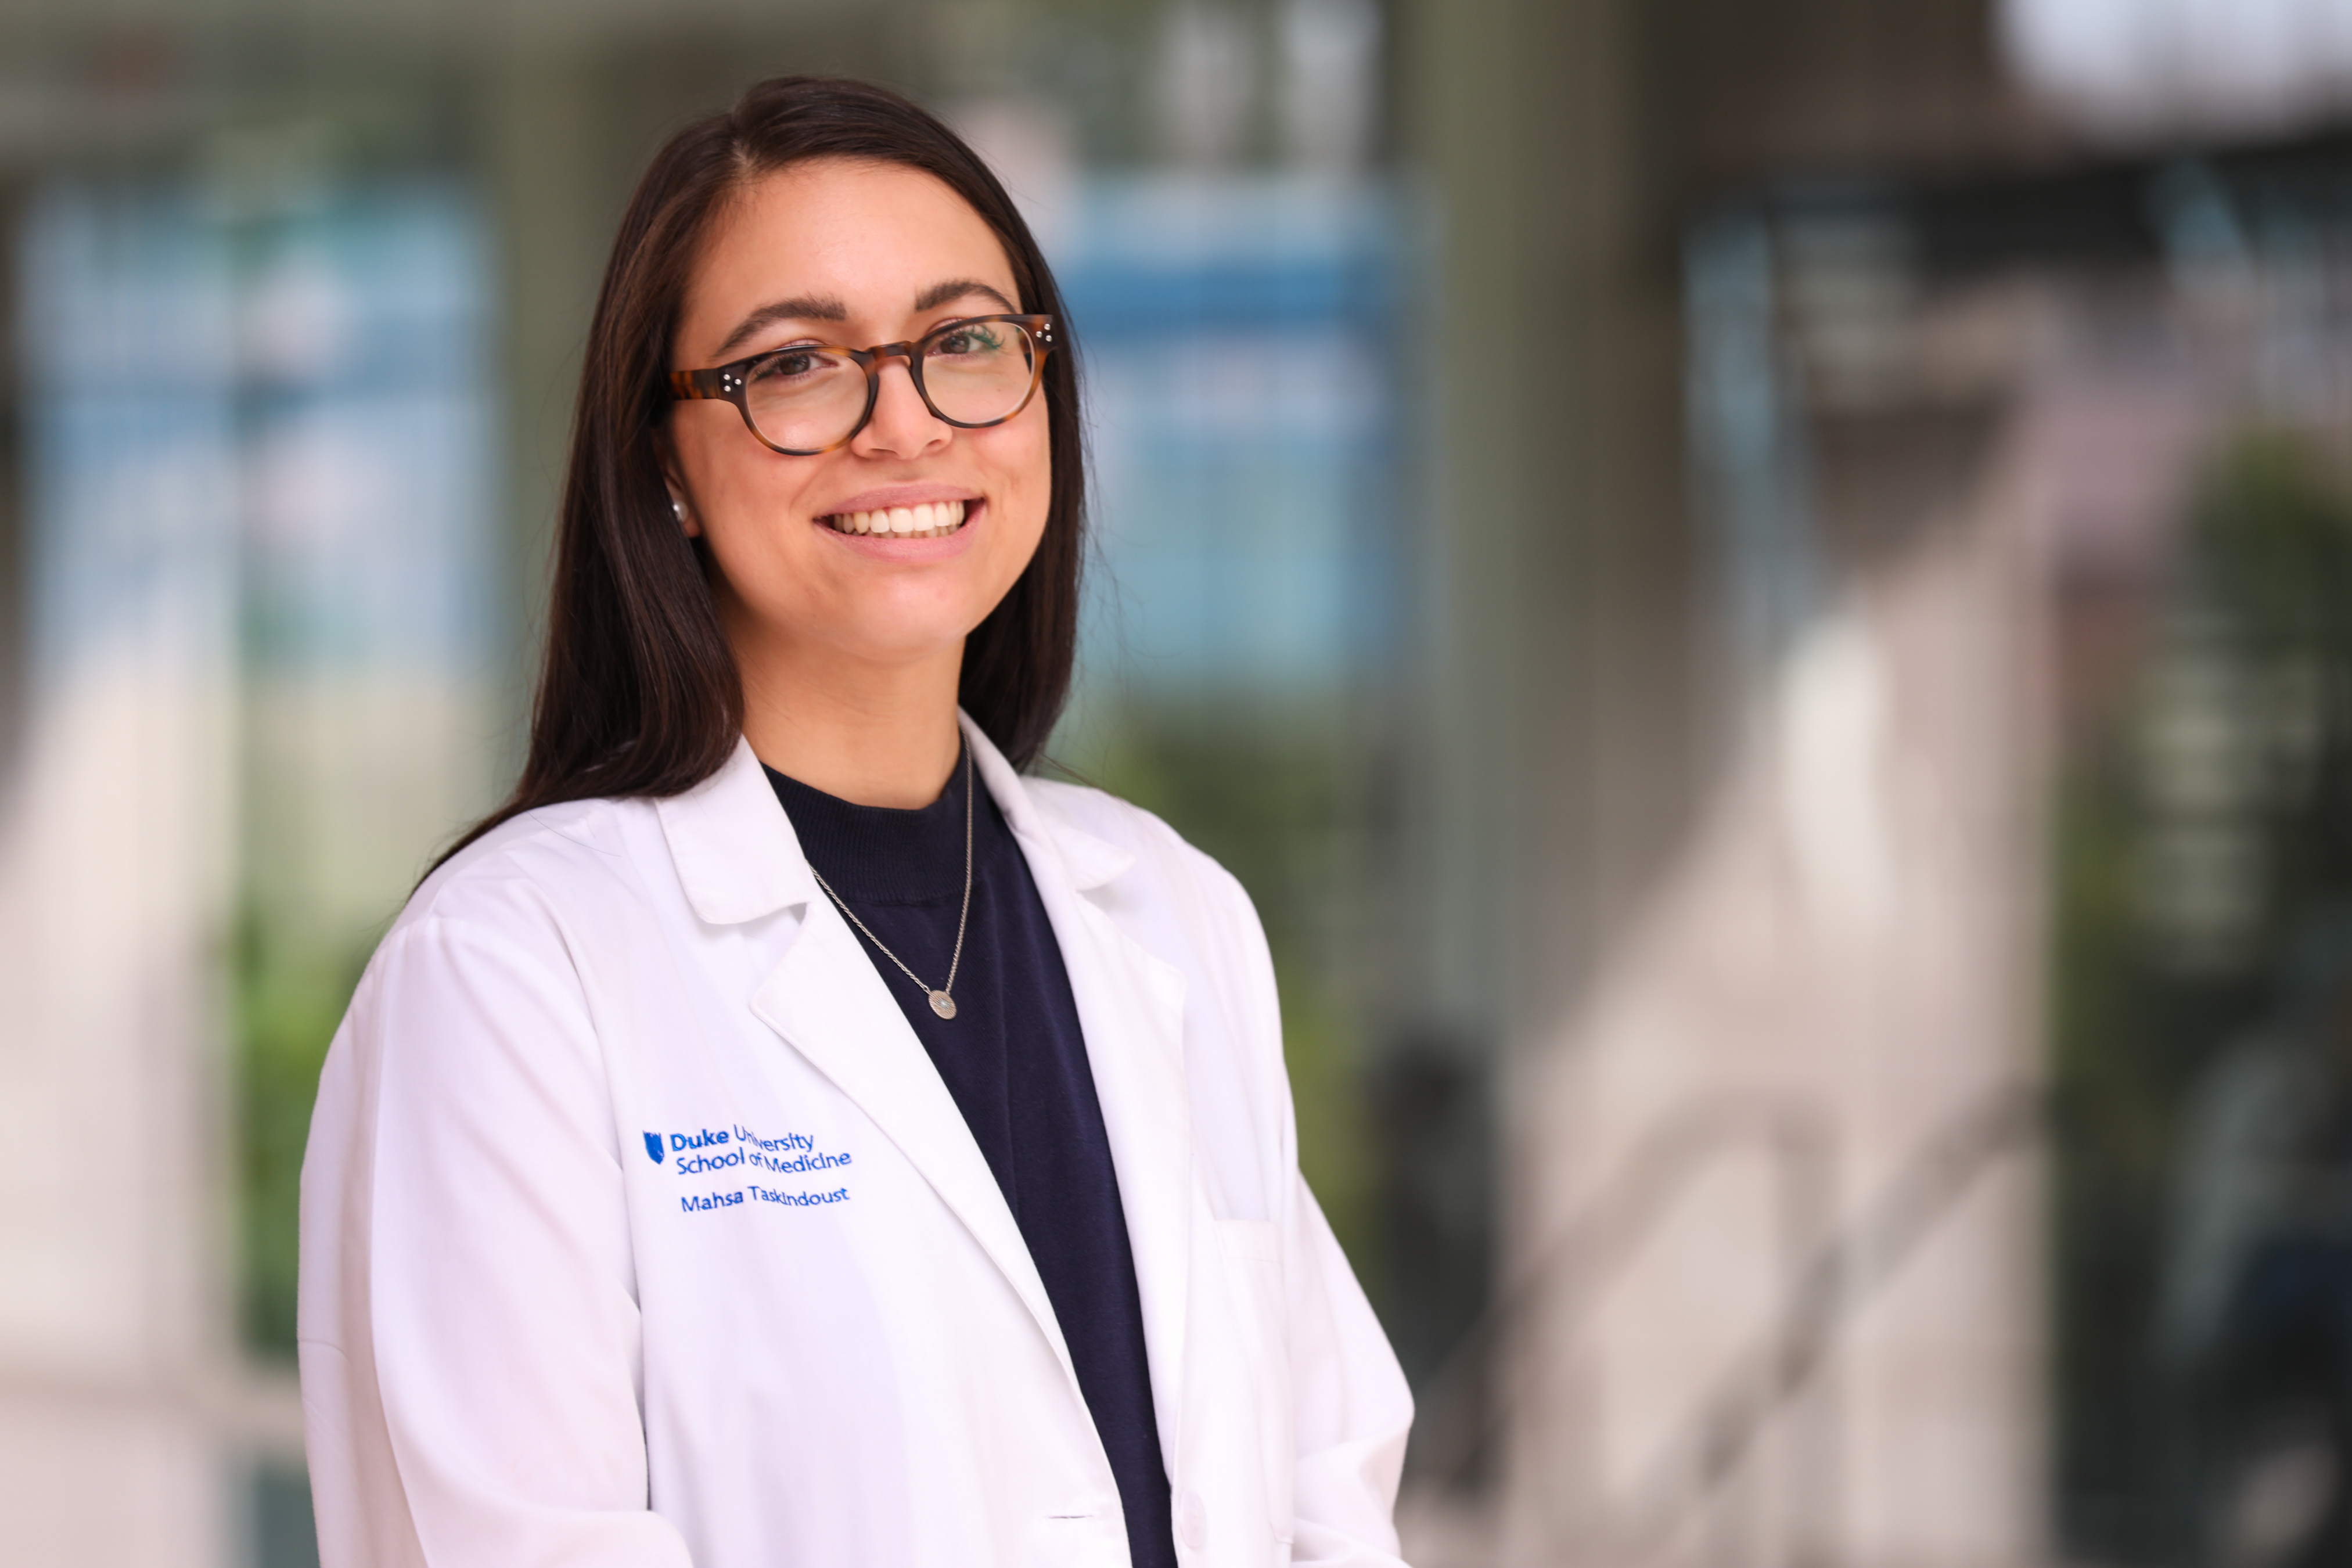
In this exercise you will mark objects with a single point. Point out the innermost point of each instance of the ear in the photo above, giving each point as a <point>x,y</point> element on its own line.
<point>674,480</point>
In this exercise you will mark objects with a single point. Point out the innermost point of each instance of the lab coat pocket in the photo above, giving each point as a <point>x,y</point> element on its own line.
<point>1253,1250</point>
<point>1073,1540</point>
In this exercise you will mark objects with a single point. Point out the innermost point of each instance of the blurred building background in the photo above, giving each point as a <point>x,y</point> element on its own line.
<point>1761,593</point>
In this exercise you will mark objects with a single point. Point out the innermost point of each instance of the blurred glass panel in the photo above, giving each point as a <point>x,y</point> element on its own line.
<point>116,861</point>
<point>2103,415</point>
<point>1247,363</point>
<point>276,418</point>
<point>119,791</point>
<point>370,611</point>
<point>128,336</point>
<point>1244,347</point>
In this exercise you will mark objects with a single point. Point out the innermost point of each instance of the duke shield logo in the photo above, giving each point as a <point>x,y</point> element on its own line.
<point>654,1147</point>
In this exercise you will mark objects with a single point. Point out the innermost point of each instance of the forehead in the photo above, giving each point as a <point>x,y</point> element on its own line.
<point>873,235</point>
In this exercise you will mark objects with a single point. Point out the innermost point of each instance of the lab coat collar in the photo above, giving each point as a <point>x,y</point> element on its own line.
<point>736,853</point>
<point>740,861</point>
<point>1087,861</point>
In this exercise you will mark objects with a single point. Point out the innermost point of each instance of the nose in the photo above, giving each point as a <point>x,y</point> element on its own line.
<point>903,425</point>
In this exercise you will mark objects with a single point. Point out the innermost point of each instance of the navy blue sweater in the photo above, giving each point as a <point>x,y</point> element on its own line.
<point>1015,1061</point>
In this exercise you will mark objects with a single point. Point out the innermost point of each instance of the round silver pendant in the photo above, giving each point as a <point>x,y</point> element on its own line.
<point>942,1003</point>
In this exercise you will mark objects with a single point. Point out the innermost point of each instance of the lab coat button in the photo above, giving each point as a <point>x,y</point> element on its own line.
<point>1192,1520</point>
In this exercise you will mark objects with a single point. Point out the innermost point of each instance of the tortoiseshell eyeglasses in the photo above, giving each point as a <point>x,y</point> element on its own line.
<point>812,397</point>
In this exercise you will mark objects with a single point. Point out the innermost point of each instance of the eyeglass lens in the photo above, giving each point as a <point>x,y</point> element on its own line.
<point>807,399</point>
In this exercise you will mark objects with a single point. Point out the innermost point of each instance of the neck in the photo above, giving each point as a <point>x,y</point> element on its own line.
<point>873,734</point>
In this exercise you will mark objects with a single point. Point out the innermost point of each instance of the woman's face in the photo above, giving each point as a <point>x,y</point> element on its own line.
<point>853,254</point>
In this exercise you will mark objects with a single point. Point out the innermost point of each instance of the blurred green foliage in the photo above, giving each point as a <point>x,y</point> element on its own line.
<point>2253,630</point>
<point>289,996</point>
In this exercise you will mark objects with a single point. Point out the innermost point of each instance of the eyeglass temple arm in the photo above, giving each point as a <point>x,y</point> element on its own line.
<point>719,383</point>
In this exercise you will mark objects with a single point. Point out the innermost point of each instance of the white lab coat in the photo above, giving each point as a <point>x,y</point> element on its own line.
<point>638,1229</point>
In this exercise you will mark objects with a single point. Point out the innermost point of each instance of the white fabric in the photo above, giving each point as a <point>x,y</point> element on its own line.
<point>525,1346</point>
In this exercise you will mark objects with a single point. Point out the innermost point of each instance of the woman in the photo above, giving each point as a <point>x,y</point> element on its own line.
<point>784,1133</point>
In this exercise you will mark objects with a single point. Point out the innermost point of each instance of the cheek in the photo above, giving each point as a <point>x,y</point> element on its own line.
<point>695,437</point>
<point>1029,466</point>
<point>715,452</point>
<point>736,487</point>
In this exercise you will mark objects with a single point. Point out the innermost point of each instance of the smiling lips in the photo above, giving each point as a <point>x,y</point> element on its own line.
<point>934,520</point>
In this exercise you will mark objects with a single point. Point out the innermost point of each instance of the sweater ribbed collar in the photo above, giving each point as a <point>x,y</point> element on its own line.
<point>882,855</point>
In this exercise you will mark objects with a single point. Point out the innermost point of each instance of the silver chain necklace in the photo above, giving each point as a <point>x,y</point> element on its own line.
<point>941,1002</point>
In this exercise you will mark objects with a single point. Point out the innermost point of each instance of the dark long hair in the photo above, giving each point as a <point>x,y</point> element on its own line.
<point>639,693</point>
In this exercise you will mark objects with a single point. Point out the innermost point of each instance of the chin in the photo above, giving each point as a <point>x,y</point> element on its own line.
<point>885,638</point>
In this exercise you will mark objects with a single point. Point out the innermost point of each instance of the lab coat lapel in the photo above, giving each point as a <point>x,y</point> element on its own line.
<point>739,859</point>
<point>827,999</point>
<point>1131,1006</point>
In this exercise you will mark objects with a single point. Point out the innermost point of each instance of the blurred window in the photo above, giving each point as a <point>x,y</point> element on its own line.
<point>258,438</point>
<point>1248,371</point>
<point>1246,364</point>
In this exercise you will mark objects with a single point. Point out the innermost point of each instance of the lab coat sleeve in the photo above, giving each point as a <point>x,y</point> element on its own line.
<point>471,1354</point>
<point>1351,1409</point>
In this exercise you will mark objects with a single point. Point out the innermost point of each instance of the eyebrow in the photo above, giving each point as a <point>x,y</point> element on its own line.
<point>939,294</point>
<point>806,308</point>
<point>826,308</point>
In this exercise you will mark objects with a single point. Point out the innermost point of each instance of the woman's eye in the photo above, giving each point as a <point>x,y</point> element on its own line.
<point>969,341</point>
<point>786,365</point>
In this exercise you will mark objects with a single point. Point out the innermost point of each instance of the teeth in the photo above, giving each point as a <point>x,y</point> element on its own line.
<point>933,520</point>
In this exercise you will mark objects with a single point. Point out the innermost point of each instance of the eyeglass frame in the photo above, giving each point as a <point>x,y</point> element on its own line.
<point>731,382</point>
